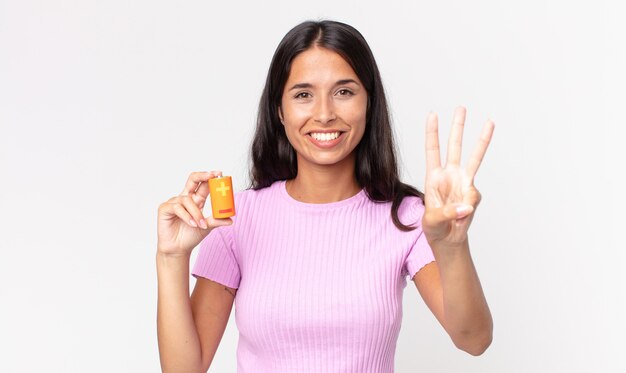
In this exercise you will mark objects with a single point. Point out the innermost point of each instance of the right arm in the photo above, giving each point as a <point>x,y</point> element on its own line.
<point>189,329</point>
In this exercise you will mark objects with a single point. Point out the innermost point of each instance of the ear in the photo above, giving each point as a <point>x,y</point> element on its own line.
<point>280,115</point>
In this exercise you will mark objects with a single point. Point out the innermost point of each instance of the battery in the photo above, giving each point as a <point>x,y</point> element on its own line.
<point>222,197</point>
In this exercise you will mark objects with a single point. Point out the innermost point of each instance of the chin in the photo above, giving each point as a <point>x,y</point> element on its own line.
<point>329,160</point>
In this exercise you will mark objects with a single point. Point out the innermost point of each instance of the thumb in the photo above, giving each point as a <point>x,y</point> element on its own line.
<point>449,212</point>
<point>214,223</point>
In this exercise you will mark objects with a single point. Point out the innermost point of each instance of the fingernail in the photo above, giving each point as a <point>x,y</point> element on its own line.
<point>193,223</point>
<point>462,210</point>
<point>203,224</point>
<point>224,221</point>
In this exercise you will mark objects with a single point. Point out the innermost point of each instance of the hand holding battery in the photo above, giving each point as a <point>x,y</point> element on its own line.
<point>181,223</point>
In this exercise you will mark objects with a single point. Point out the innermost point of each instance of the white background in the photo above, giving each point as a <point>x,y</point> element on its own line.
<point>107,106</point>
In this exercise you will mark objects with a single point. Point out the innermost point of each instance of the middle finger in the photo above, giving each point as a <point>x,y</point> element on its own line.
<point>456,137</point>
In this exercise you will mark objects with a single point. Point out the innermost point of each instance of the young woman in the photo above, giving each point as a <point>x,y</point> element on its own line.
<point>317,257</point>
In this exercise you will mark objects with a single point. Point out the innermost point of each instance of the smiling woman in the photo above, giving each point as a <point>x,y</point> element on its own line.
<point>319,253</point>
<point>333,59</point>
<point>323,110</point>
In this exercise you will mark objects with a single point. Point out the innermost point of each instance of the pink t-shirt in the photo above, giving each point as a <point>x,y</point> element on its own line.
<point>319,285</point>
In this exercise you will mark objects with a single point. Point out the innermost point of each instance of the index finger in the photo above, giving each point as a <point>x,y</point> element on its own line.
<point>195,180</point>
<point>433,159</point>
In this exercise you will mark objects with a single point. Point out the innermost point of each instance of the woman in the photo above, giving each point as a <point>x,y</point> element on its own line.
<point>317,257</point>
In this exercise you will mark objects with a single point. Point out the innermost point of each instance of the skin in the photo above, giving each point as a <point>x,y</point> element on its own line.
<point>189,329</point>
<point>323,93</point>
<point>322,82</point>
<point>450,286</point>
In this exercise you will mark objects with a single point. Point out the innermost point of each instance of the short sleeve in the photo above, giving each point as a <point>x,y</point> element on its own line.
<point>216,260</point>
<point>420,252</point>
<point>419,255</point>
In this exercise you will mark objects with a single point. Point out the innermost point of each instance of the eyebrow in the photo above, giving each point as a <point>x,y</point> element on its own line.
<point>309,85</point>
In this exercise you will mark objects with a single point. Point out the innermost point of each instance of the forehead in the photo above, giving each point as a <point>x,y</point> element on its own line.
<point>321,65</point>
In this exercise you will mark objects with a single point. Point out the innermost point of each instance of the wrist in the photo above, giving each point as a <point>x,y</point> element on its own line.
<point>449,248</point>
<point>457,243</point>
<point>165,257</point>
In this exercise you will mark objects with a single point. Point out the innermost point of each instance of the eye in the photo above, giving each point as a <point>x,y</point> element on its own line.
<point>302,95</point>
<point>345,92</point>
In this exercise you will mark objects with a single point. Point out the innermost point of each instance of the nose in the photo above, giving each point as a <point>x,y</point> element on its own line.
<point>324,111</point>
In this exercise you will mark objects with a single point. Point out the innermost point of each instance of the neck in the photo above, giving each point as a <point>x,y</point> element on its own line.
<point>324,184</point>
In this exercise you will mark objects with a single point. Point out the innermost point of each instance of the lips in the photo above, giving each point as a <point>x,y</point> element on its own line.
<point>325,139</point>
<point>324,136</point>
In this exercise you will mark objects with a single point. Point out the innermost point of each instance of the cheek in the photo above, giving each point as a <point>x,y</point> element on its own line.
<point>295,114</point>
<point>290,124</point>
<point>288,132</point>
<point>361,132</point>
<point>293,122</point>
<point>357,108</point>
<point>357,117</point>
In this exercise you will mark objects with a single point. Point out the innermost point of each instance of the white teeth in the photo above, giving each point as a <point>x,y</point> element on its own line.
<point>324,136</point>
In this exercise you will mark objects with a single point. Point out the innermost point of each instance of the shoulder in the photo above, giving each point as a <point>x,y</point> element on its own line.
<point>253,196</point>
<point>250,206</point>
<point>411,210</point>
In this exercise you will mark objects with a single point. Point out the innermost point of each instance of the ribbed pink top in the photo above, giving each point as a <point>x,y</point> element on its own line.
<point>319,285</point>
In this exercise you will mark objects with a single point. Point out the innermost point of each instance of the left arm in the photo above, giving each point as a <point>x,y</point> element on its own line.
<point>450,286</point>
<point>451,289</point>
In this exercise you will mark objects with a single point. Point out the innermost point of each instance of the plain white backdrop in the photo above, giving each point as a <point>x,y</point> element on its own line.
<point>107,106</point>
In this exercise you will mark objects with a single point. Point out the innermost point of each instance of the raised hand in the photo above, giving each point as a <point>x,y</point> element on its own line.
<point>450,196</point>
<point>181,225</point>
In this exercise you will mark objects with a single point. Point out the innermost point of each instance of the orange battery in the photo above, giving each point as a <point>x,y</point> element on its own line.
<point>222,198</point>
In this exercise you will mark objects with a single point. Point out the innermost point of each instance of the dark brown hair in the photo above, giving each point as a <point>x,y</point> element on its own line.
<point>376,169</point>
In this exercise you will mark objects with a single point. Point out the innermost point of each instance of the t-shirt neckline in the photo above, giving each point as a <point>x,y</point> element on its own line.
<point>319,206</point>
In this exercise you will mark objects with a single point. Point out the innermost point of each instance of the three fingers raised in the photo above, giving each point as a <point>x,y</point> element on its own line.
<point>433,156</point>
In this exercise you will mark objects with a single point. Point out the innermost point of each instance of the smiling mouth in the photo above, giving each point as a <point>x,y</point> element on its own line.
<point>325,136</point>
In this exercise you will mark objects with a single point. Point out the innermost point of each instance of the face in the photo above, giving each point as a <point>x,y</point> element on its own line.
<point>323,108</point>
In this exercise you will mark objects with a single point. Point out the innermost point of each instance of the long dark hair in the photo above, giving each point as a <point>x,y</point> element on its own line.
<point>273,157</point>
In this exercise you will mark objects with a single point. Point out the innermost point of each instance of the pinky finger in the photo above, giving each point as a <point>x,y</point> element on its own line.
<point>182,213</point>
